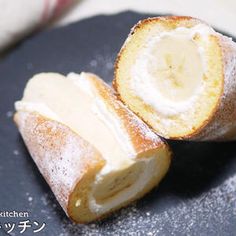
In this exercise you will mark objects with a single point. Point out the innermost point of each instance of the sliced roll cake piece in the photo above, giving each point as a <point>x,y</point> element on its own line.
<point>179,75</point>
<point>95,154</point>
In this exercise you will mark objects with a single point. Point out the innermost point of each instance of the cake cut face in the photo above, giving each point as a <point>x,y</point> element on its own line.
<point>133,159</point>
<point>171,72</point>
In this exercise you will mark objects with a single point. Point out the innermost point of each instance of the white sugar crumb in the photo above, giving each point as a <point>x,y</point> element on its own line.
<point>100,59</point>
<point>30,199</point>
<point>109,65</point>
<point>93,63</point>
<point>9,114</point>
<point>103,57</point>
<point>44,200</point>
<point>217,206</point>
<point>16,152</point>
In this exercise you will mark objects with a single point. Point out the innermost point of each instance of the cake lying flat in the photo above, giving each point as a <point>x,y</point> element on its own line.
<point>95,154</point>
<point>179,76</point>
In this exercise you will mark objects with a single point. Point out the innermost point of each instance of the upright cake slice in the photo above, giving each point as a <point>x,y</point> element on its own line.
<point>95,154</point>
<point>179,76</point>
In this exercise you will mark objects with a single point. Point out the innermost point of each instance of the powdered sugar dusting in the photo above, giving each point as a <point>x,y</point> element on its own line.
<point>9,114</point>
<point>145,130</point>
<point>60,154</point>
<point>210,209</point>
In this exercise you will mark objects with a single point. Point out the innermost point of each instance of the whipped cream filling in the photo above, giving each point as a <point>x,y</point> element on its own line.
<point>81,81</point>
<point>100,110</point>
<point>108,118</point>
<point>38,107</point>
<point>142,80</point>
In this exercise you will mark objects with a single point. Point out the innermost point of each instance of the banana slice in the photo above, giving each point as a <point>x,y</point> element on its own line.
<point>179,76</point>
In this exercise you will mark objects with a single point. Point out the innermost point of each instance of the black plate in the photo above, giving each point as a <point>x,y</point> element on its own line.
<point>197,197</point>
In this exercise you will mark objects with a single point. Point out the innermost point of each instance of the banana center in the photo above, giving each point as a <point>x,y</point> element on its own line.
<point>176,67</point>
<point>111,188</point>
<point>116,182</point>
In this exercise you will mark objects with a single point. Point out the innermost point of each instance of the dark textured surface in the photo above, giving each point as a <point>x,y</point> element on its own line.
<point>198,196</point>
